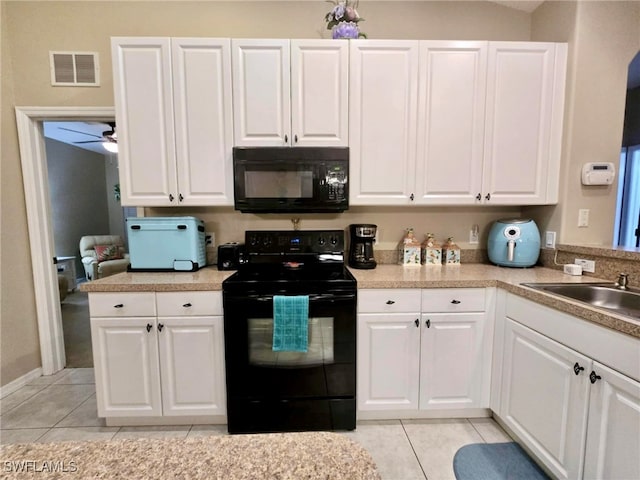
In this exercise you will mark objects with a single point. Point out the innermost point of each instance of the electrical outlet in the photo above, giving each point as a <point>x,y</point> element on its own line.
<point>209,239</point>
<point>587,265</point>
<point>550,239</point>
<point>583,217</point>
<point>474,233</point>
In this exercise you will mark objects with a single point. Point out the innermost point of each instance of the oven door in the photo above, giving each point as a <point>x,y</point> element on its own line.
<point>326,370</point>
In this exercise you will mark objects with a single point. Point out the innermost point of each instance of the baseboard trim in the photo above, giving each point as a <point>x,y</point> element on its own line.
<point>20,382</point>
<point>170,420</point>
<point>422,414</point>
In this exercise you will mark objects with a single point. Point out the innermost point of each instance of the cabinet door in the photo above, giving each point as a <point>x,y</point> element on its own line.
<point>261,92</point>
<point>525,105</point>
<point>383,88</point>
<point>613,441</point>
<point>319,92</point>
<point>452,368</point>
<point>144,119</point>
<point>388,361</point>
<point>125,355</point>
<point>203,120</point>
<point>451,122</point>
<point>192,365</point>
<point>544,401</point>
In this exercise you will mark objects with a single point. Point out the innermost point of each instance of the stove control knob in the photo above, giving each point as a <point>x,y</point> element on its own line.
<point>321,241</point>
<point>253,240</point>
<point>266,241</point>
<point>333,240</point>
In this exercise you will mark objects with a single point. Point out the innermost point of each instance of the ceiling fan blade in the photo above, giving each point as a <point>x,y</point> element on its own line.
<point>91,141</point>
<point>77,131</point>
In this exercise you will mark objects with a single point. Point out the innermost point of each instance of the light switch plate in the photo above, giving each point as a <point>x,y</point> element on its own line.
<point>550,239</point>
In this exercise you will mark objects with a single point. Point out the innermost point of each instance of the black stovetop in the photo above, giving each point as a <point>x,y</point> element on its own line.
<point>290,280</point>
<point>292,262</point>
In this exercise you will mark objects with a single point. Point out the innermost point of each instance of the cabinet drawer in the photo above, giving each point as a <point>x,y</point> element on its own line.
<point>181,304</point>
<point>388,300</point>
<point>122,304</point>
<point>453,300</point>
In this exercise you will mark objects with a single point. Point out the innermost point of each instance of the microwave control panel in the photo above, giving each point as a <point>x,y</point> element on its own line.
<point>335,183</point>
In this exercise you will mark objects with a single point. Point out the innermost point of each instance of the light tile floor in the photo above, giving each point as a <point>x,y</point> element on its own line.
<point>63,407</point>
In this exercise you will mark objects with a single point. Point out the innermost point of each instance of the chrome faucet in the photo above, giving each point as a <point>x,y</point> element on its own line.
<point>623,281</point>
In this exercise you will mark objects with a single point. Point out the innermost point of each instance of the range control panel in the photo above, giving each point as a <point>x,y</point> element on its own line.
<point>259,242</point>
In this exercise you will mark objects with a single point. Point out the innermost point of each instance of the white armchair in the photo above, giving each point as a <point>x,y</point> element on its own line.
<point>97,264</point>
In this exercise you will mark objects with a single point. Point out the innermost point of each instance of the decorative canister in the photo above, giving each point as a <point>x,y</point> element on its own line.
<point>431,251</point>
<point>409,249</point>
<point>450,253</point>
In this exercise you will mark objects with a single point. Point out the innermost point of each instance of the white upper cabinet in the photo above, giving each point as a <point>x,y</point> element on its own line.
<point>203,112</point>
<point>144,119</point>
<point>523,127</point>
<point>451,122</point>
<point>261,99</point>
<point>489,122</point>
<point>173,115</point>
<point>383,92</point>
<point>290,92</point>
<point>320,93</point>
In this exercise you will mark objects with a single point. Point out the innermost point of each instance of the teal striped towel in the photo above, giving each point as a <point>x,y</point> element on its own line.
<point>290,323</point>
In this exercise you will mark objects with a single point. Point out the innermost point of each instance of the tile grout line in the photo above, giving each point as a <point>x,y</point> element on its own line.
<point>16,406</point>
<point>413,450</point>
<point>476,430</point>
<point>73,410</point>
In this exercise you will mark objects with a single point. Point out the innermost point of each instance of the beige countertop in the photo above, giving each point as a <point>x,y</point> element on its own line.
<point>308,455</point>
<point>208,278</point>
<point>396,276</point>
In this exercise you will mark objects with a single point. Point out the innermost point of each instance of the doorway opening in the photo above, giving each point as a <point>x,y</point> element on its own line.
<point>83,191</point>
<point>29,121</point>
<point>627,226</point>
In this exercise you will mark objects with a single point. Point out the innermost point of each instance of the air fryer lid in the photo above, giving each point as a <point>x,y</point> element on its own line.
<point>507,221</point>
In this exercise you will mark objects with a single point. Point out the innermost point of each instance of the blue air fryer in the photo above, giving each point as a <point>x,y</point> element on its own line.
<point>514,243</point>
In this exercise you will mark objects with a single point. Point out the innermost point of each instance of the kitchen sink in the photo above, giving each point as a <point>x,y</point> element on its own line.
<point>601,295</point>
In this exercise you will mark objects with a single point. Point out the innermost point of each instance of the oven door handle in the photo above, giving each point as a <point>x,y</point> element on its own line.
<point>323,297</point>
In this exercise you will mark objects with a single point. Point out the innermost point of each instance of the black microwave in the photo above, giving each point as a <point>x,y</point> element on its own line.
<point>291,179</point>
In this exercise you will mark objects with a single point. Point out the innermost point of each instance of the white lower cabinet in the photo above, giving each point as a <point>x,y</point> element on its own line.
<point>388,361</point>
<point>544,401</point>
<point>412,360</point>
<point>613,441</point>
<point>451,374</point>
<point>125,359</point>
<point>580,418</point>
<point>168,363</point>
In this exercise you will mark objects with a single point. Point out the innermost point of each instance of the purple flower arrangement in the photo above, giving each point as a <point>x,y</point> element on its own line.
<point>343,19</point>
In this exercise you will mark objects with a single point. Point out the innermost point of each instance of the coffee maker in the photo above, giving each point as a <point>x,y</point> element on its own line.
<point>361,246</point>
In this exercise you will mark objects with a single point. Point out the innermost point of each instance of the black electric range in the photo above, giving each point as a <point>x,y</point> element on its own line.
<point>275,391</point>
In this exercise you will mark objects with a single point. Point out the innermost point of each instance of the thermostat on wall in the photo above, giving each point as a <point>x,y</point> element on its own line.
<point>598,173</point>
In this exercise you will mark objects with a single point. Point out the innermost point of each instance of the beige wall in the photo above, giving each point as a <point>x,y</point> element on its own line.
<point>31,29</point>
<point>19,347</point>
<point>603,38</point>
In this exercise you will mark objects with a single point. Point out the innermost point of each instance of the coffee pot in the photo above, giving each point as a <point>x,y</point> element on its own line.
<point>362,237</point>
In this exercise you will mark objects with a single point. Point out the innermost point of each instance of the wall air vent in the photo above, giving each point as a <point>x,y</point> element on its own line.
<point>74,69</point>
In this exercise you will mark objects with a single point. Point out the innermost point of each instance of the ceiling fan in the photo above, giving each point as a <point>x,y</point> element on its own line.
<point>109,138</point>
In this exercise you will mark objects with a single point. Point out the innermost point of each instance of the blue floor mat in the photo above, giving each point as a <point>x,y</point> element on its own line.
<point>495,461</point>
